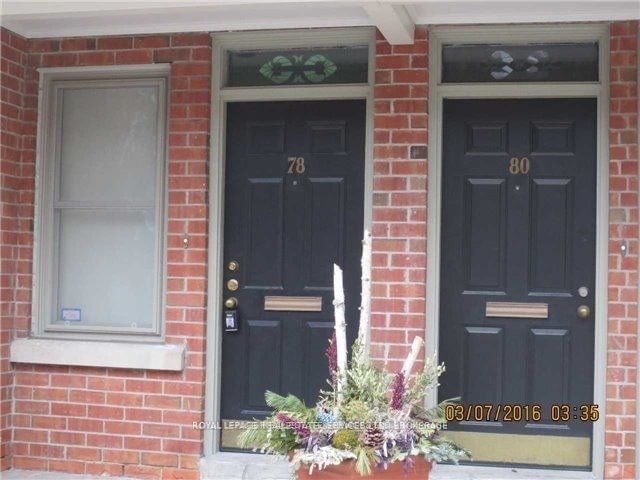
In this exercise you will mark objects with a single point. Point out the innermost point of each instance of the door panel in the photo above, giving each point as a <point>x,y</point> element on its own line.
<point>525,235</point>
<point>263,341</point>
<point>484,231</point>
<point>483,381</point>
<point>264,247</point>
<point>549,353</point>
<point>324,212</point>
<point>551,235</point>
<point>286,222</point>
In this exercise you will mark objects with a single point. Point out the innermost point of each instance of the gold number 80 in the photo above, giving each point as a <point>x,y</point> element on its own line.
<point>519,165</point>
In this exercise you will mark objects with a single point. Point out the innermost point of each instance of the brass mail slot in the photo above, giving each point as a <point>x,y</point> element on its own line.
<point>293,304</point>
<point>517,310</point>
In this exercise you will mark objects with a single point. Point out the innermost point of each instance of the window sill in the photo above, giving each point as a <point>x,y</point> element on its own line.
<point>98,354</point>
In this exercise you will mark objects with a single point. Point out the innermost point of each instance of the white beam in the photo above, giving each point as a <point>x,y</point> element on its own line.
<point>260,15</point>
<point>393,21</point>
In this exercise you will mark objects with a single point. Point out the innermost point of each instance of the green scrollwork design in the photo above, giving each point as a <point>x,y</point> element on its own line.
<point>278,69</point>
<point>321,68</point>
<point>315,69</point>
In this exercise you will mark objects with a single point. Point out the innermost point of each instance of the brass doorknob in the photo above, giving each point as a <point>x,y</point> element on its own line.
<point>231,303</point>
<point>583,311</point>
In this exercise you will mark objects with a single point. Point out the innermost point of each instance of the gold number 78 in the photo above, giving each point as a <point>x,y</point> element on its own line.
<point>296,165</point>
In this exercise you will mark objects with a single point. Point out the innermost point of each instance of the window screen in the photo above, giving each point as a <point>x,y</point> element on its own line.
<point>107,205</point>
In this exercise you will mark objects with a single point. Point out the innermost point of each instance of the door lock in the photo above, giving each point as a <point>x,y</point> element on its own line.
<point>583,311</point>
<point>231,303</point>
<point>232,285</point>
<point>233,266</point>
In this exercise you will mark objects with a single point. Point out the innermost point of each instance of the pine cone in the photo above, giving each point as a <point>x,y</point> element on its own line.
<point>373,437</point>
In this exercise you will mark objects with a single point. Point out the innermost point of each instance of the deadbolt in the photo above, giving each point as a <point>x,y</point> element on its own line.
<point>583,311</point>
<point>231,303</point>
<point>232,285</point>
<point>233,266</point>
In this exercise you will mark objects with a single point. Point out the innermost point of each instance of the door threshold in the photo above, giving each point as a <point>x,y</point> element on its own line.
<point>244,466</point>
<point>471,472</point>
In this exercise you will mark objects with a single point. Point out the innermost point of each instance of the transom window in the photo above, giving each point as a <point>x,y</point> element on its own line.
<point>101,215</point>
<point>333,65</point>
<point>536,62</point>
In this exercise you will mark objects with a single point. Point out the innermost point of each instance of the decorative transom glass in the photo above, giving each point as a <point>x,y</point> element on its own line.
<point>298,67</point>
<point>558,62</point>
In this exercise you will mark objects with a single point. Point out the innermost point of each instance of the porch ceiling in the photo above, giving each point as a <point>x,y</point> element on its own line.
<point>394,18</point>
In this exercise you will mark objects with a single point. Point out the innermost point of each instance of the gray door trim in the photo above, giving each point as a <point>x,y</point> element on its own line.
<point>599,90</point>
<point>219,98</point>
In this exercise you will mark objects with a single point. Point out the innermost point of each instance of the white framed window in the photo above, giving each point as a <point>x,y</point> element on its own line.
<point>100,203</point>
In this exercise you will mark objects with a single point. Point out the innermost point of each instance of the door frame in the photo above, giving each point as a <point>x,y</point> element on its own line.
<point>549,33</point>
<point>220,96</point>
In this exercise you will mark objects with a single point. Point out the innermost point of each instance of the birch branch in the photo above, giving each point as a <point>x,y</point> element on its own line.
<point>365,305</point>
<point>340,327</point>
<point>413,355</point>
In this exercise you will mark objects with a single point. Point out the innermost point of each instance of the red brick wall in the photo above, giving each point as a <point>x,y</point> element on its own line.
<point>135,422</point>
<point>622,356</point>
<point>399,198</point>
<point>116,421</point>
<point>12,258</point>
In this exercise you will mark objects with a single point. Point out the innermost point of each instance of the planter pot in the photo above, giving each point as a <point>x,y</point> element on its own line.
<point>346,470</point>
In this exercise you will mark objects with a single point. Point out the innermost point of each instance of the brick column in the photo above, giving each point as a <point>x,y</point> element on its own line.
<point>399,199</point>
<point>623,270</point>
<point>12,256</point>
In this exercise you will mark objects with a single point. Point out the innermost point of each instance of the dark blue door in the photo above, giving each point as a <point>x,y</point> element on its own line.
<point>518,259</point>
<point>293,206</point>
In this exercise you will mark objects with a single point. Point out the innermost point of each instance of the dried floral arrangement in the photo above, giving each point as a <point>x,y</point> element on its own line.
<point>366,415</point>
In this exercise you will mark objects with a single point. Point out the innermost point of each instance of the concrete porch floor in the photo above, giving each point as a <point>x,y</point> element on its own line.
<point>234,466</point>
<point>34,475</point>
<point>240,466</point>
